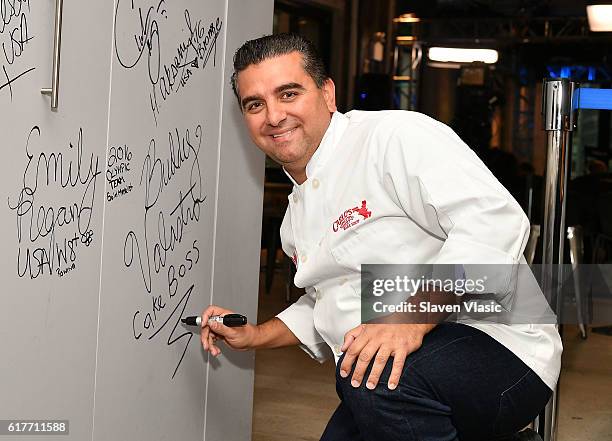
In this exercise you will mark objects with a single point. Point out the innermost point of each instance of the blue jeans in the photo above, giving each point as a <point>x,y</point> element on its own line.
<point>460,385</point>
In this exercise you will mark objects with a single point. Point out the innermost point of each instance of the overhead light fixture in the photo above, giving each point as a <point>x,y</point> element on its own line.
<point>407,18</point>
<point>600,18</point>
<point>463,55</point>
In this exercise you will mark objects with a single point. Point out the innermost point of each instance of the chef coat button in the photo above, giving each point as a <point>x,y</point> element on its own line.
<point>343,281</point>
<point>304,258</point>
<point>315,183</point>
<point>295,198</point>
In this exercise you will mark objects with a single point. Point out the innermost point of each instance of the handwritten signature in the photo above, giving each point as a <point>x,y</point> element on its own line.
<point>192,53</point>
<point>157,174</point>
<point>13,25</point>
<point>177,313</point>
<point>49,234</point>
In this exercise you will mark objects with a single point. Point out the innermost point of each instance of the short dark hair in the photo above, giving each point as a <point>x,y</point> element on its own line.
<point>269,46</point>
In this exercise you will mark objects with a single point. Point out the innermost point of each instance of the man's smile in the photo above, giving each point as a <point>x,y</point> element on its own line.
<point>283,136</point>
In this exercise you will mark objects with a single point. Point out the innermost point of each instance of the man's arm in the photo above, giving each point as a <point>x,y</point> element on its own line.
<point>270,334</point>
<point>274,334</point>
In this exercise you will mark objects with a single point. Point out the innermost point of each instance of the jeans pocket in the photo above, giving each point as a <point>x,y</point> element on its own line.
<point>520,404</point>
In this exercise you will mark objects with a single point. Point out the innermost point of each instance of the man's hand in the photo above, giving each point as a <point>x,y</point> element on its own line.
<point>378,342</point>
<point>239,338</point>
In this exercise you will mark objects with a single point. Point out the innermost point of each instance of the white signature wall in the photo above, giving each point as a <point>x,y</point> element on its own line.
<point>137,202</point>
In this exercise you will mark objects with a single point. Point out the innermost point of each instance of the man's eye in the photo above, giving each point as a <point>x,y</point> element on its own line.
<point>289,94</point>
<point>253,106</point>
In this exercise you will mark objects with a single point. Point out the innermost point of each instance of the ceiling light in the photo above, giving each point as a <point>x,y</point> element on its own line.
<point>407,18</point>
<point>461,55</point>
<point>600,18</point>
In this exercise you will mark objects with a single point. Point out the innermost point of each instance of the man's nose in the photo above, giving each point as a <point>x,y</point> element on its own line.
<point>276,114</point>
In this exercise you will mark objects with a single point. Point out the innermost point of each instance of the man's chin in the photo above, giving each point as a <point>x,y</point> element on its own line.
<point>286,157</point>
<point>285,162</point>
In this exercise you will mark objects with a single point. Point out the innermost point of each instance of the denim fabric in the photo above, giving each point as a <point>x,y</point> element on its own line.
<point>460,385</point>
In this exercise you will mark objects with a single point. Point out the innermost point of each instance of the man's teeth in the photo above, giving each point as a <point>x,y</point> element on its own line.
<point>283,134</point>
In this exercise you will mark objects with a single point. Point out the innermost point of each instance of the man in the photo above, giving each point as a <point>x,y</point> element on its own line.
<point>386,187</point>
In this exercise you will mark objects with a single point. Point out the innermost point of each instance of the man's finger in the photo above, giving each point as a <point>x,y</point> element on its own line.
<point>366,355</point>
<point>351,353</point>
<point>219,328</point>
<point>211,340</point>
<point>380,361</point>
<point>204,337</point>
<point>206,315</point>
<point>215,350</point>
<point>212,310</point>
<point>399,359</point>
<point>350,336</point>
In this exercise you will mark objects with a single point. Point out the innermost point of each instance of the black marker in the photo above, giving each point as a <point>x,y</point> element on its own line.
<point>229,320</point>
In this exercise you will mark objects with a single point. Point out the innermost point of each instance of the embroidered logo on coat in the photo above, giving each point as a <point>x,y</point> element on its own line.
<point>349,217</point>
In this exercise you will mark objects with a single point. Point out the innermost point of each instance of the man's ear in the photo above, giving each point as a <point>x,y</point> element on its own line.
<point>329,94</point>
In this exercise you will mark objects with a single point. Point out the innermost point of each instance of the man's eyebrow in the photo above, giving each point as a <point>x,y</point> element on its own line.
<point>246,100</point>
<point>288,86</point>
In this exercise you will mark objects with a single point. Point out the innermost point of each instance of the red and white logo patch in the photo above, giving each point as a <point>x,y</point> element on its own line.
<point>349,217</point>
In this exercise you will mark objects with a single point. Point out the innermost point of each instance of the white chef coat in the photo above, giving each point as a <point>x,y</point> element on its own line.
<point>398,187</point>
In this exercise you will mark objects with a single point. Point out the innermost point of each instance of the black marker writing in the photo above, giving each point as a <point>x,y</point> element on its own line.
<point>118,169</point>
<point>10,81</point>
<point>164,227</point>
<point>48,235</point>
<point>144,24</point>
<point>157,174</point>
<point>11,10</point>
<point>145,41</point>
<point>178,312</point>
<point>14,35</point>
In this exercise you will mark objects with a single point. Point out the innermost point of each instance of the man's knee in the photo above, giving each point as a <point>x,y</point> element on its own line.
<point>346,390</point>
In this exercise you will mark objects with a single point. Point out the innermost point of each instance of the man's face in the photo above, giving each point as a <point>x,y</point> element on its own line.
<point>284,110</point>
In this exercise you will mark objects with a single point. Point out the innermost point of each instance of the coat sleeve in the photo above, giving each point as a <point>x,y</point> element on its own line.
<point>300,320</point>
<point>425,164</point>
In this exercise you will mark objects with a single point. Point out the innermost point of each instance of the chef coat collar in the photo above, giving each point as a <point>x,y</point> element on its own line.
<point>332,135</point>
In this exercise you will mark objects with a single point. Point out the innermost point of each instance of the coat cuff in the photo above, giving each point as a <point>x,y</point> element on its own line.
<point>299,319</point>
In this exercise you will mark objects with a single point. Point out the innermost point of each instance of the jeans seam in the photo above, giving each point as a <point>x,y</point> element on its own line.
<point>501,397</point>
<point>438,349</point>
<point>517,382</point>
<point>410,429</point>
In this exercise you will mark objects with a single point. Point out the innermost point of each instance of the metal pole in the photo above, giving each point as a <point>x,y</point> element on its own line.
<point>558,117</point>
<point>575,236</point>
<point>57,48</point>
